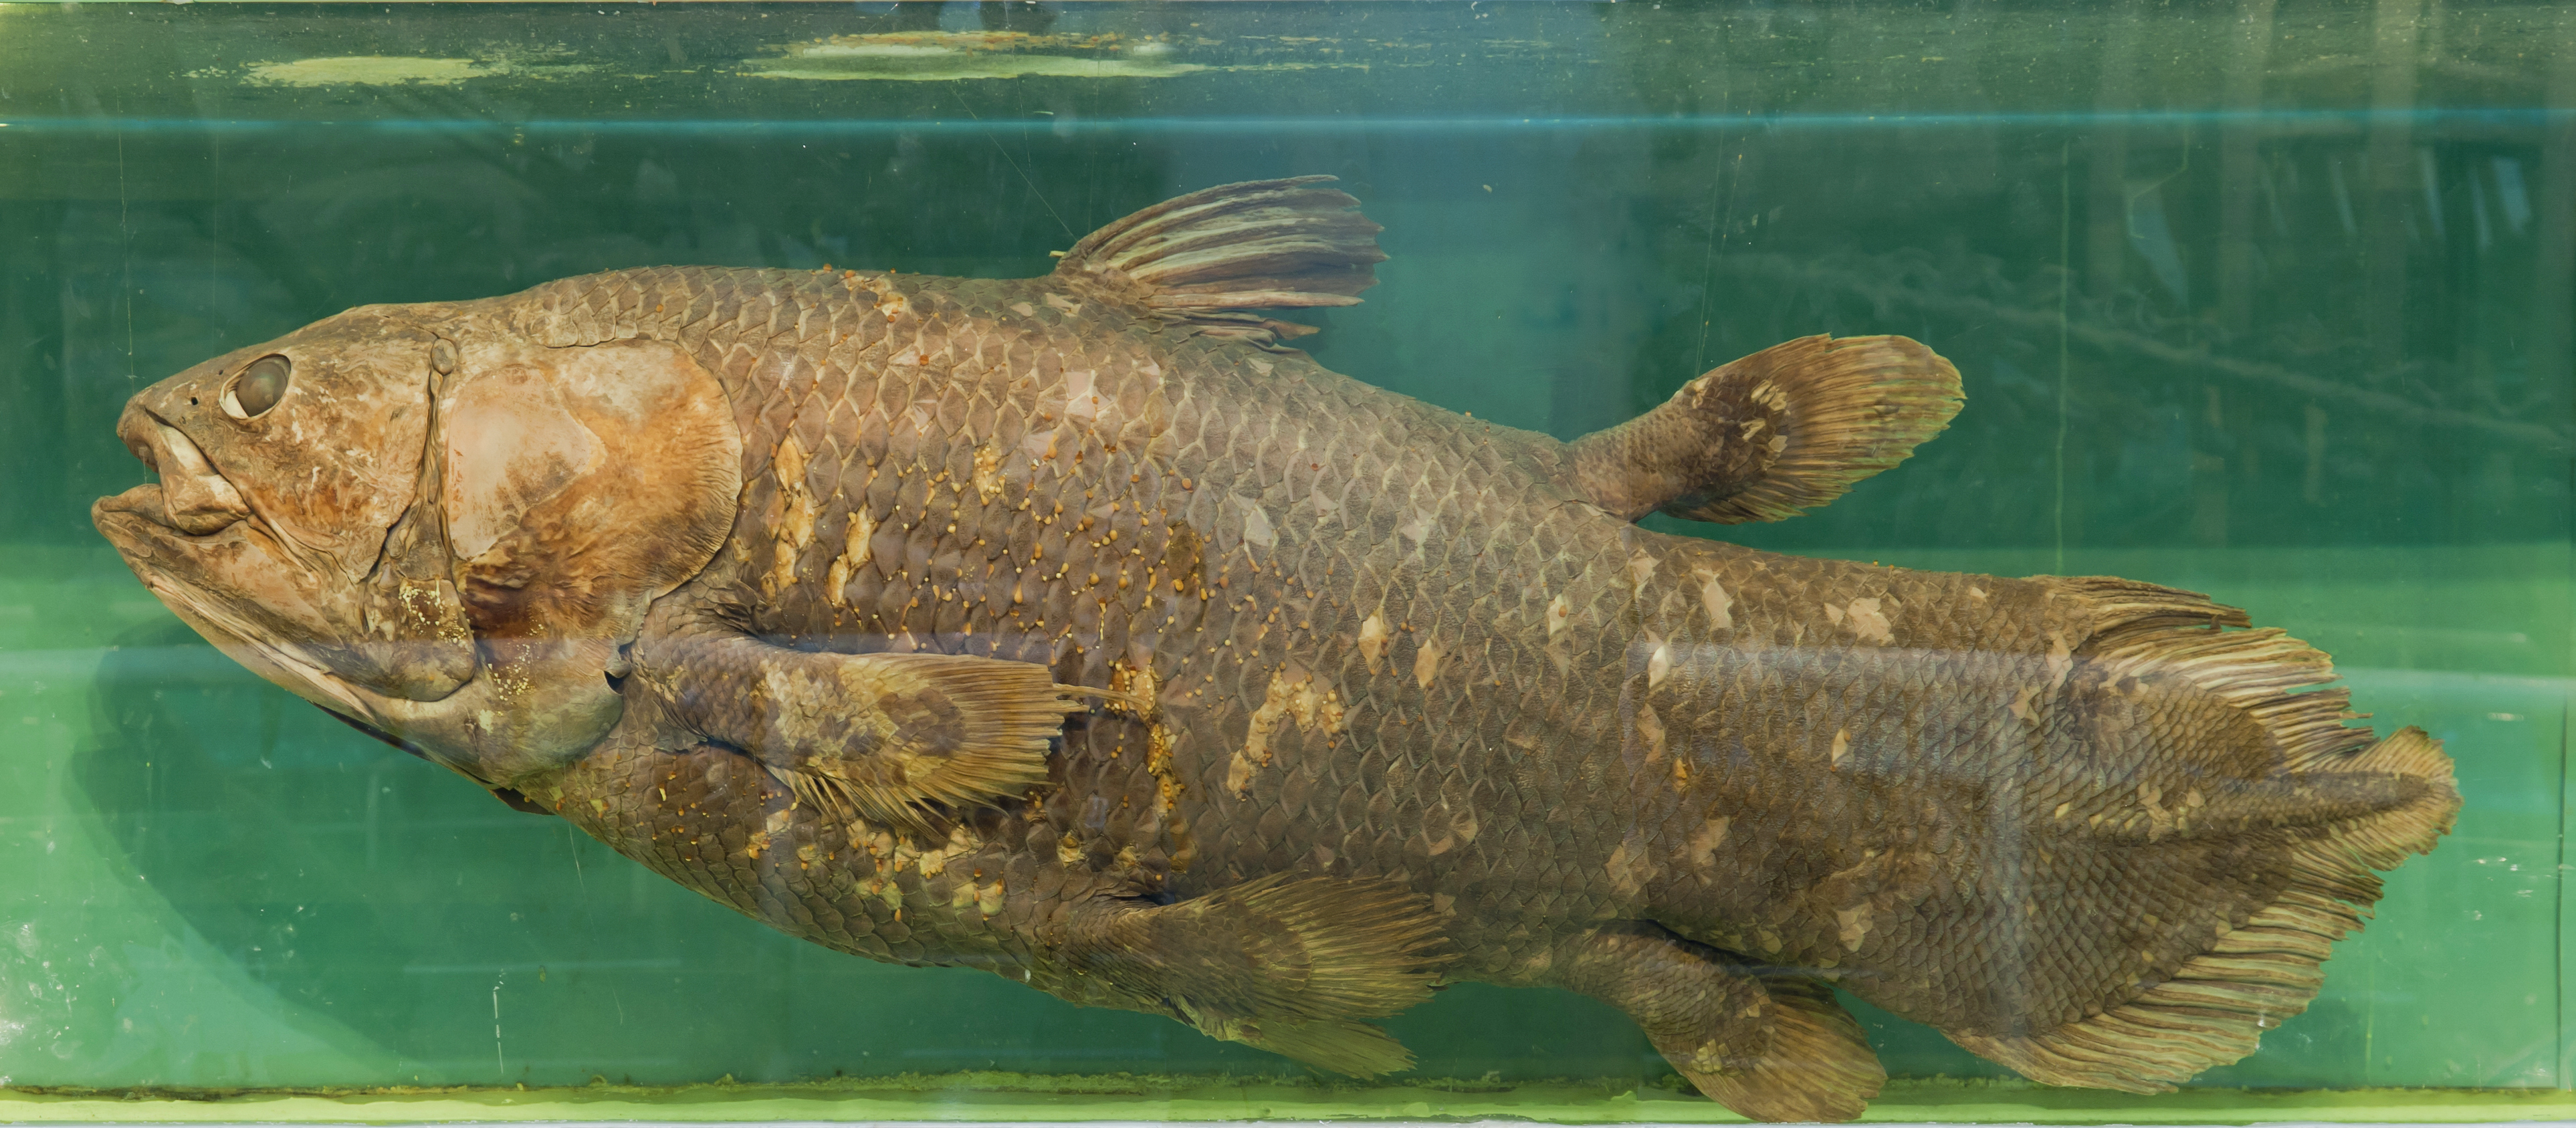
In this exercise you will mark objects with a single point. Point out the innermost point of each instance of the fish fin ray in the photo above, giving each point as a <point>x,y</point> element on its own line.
<point>2138,637</point>
<point>2268,744</point>
<point>1279,961</point>
<point>1818,1067</point>
<point>1355,1049</point>
<point>1774,434</point>
<point>989,728</point>
<point>2339,805</point>
<point>1262,244</point>
<point>2211,1012</point>
<point>2116,606</point>
<point>897,740</point>
<point>1767,1043</point>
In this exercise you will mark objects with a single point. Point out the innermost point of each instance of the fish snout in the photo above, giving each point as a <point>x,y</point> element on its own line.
<point>196,499</point>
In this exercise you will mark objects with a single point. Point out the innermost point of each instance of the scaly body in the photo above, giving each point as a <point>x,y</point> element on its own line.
<point>1344,655</point>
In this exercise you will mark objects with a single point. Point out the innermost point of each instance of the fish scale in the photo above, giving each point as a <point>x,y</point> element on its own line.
<point>1076,629</point>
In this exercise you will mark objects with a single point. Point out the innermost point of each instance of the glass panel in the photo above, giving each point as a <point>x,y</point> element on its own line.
<point>2268,300</point>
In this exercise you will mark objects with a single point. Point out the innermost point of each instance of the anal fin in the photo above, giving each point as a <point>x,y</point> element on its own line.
<point>1354,1049</point>
<point>1774,434</point>
<point>1767,1044</point>
<point>1285,963</point>
<point>1816,1064</point>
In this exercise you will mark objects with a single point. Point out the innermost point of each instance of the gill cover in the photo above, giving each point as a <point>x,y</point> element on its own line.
<point>562,491</point>
<point>410,607</point>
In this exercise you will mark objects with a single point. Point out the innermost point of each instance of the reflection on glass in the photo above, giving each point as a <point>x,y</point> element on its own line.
<point>869,578</point>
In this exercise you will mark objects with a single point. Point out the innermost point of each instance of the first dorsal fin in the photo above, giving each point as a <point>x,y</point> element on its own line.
<point>1262,244</point>
<point>1772,435</point>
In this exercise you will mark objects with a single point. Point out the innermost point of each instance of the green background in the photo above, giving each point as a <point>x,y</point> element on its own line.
<point>2266,299</point>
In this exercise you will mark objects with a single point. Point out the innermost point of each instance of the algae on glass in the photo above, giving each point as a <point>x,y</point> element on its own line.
<point>2262,300</point>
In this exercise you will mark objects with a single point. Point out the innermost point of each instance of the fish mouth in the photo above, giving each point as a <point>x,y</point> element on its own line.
<point>196,499</point>
<point>193,508</point>
<point>180,533</point>
<point>144,523</point>
<point>139,523</point>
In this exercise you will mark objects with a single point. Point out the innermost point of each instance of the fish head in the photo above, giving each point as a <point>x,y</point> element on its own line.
<point>282,469</point>
<point>428,526</point>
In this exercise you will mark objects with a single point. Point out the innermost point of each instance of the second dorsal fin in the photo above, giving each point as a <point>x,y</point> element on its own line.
<point>1262,244</point>
<point>1774,434</point>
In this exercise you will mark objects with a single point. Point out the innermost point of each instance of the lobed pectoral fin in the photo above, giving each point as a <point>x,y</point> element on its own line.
<point>901,741</point>
<point>1283,963</point>
<point>1768,1044</point>
<point>943,733</point>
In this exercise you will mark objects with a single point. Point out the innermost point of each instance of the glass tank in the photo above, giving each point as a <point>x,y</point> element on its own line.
<point>1448,708</point>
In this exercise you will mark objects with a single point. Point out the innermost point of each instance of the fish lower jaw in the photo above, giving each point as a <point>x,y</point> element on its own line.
<point>143,503</point>
<point>279,664</point>
<point>148,505</point>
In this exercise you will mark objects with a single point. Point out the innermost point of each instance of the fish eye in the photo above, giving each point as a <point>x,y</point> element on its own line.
<point>259,387</point>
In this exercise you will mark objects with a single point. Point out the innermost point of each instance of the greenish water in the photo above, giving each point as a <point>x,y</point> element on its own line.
<point>1008,1097</point>
<point>2269,300</point>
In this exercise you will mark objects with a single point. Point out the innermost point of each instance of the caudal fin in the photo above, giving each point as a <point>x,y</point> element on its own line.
<point>2222,872</point>
<point>2216,1006</point>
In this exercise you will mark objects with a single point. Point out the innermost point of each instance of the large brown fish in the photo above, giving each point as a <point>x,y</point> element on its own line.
<point>1074,629</point>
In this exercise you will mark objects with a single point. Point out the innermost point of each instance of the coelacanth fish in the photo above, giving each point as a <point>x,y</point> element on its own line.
<point>1076,629</point>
